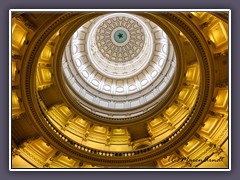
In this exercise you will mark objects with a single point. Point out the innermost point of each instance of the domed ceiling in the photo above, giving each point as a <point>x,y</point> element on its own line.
<point>120,90</point>
<point>119,76</point>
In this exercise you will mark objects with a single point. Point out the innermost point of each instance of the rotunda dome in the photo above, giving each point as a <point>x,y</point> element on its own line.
<point>84,95</point>
<point>119,62</point>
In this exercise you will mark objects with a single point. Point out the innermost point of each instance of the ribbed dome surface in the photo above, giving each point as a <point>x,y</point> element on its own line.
<point>119,75</point>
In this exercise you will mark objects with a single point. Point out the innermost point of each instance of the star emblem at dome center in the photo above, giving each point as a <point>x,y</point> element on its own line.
<point>120,35</point>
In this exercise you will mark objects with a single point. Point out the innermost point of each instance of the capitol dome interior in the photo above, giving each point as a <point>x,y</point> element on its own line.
<point>110,89</point>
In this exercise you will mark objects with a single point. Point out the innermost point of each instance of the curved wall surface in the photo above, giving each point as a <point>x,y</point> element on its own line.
<point>119,90</point>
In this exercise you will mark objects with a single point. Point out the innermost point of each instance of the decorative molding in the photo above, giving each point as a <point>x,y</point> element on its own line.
<point>130,49</point>
<point>134,157</point>
<point>26,22</point>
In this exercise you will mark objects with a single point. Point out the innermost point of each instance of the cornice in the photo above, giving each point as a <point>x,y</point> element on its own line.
<point>224,16</point>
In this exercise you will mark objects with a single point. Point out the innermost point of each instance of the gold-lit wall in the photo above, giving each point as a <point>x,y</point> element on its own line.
<point>210,140</point>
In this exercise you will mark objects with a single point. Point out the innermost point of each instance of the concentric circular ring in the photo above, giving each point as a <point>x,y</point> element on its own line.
<point>119,90</point>
<point>120,37</point>
<point>119,60</point>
